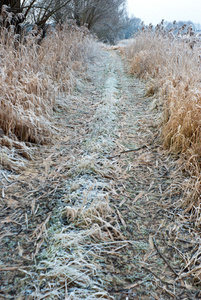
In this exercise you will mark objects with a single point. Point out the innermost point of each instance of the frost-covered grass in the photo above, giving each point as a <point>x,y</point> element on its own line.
<point>32,75</point>
<point>170,63</point>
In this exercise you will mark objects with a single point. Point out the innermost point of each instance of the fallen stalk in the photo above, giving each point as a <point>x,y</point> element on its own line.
<point>127,151</point>
<point>165,260</point>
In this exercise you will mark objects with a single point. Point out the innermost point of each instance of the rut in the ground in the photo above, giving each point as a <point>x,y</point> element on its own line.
<point>100,225</point>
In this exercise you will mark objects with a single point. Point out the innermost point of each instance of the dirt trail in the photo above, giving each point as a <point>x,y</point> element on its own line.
<point>94,212</point>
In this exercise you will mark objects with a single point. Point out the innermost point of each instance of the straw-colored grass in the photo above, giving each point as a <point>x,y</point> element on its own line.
<point>171,66</point>
<point>32,74</point>
<point>72,263</point>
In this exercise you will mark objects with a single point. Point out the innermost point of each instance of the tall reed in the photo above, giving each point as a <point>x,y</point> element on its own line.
<point>171,64</point>
<point>32,73</point>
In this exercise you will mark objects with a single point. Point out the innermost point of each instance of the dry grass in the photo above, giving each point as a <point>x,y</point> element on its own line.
<point>171,65</point>
<point>73,247</point>
<point>173,69</point>
<point>72,263</point>
<point>32,74</point>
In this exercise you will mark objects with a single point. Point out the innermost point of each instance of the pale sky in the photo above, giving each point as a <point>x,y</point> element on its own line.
<point>153,11</point>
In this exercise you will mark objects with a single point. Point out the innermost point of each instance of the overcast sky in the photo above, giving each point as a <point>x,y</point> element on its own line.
<point>153,11</point>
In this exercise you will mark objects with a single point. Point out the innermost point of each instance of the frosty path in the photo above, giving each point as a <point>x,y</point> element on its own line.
<point>100,222</point>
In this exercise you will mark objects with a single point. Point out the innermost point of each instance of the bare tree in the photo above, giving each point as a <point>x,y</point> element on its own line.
<point>40,11</point>
<point>92,11</point>
<point>100,16</point>
<point>103,17</point>
<point>36,11</point>
<point>107,19</point>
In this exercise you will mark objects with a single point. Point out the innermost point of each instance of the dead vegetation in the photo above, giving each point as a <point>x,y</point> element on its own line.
<point>56,214</point>
<point>32,74</point>
<point>171,65</point>
<point>173,69</point>
<point>98,215</point>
